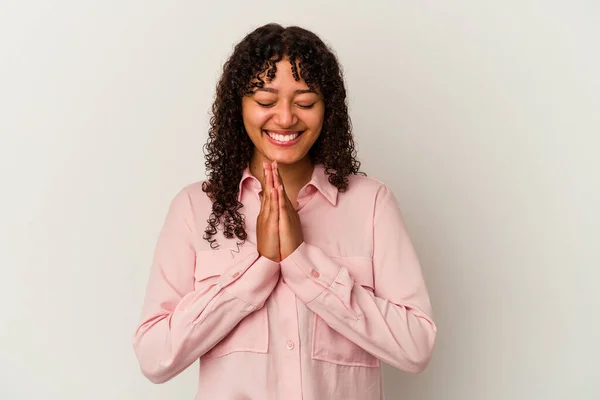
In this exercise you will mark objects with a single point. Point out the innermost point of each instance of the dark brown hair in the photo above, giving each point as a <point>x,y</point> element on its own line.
<point>229,149</point>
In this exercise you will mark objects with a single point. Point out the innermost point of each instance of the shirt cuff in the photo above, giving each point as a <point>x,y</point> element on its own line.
<point>252,279</point>
<point>309,272</point>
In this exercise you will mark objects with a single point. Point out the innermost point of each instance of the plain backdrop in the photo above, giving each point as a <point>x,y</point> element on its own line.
<point>483,117</point>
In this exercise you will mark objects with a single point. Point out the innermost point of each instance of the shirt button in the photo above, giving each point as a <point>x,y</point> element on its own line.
<point>289,345</point>
<point>315,273</point>
<point>235,275</point>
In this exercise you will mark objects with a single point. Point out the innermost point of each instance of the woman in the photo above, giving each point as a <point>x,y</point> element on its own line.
<point>287,272</point>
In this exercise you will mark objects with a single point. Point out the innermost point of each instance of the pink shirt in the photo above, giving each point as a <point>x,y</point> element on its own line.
<point>314,326</point>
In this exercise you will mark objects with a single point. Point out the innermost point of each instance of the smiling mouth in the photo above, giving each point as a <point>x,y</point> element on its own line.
<point>283,137</point>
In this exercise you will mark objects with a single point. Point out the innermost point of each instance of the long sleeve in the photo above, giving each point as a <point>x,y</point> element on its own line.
<point>183,319</point>
<point>394,322</point>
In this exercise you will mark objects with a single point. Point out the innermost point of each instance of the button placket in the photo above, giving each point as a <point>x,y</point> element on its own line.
<point>288,337</point>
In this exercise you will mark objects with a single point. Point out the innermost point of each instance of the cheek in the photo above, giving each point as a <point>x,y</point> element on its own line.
<point>314,120</point>
<point>256,118</point>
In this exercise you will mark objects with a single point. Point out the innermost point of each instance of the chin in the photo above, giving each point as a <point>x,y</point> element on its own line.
<point>285,159</point>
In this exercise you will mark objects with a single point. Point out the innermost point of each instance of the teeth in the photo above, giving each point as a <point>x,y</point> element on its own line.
<point>283,138</point>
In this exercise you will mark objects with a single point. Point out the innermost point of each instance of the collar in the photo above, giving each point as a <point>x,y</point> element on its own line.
<point>319,180</point>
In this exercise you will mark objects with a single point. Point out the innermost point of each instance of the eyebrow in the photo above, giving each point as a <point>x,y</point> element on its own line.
<point>271,90</point>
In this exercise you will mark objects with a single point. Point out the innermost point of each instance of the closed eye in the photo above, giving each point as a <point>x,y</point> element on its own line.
<point>306,106</point>
<point>266,105</point>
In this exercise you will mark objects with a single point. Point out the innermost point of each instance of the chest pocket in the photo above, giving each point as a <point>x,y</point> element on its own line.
<point>329,345</point>
<point>251,333</point>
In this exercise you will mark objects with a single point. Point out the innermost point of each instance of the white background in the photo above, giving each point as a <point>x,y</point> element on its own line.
<point>483,117</point>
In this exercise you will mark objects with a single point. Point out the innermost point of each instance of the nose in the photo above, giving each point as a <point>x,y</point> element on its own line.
<point>285,116</point>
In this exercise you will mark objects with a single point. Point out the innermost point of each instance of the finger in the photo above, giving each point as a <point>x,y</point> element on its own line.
<point>262,202</point>
<point>266,205</point>
<point>267,184</point>
<point>280,181</point>
<point>266,174</point>
<point>269,180</point>
<point>274,207</point>
<point>277,178</point>
<point>282,202</point>
<point>284,193</point>
<point>262,194</point>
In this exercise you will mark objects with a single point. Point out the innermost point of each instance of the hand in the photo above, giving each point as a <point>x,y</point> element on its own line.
<point>290,229</point>
<point>267,223</point>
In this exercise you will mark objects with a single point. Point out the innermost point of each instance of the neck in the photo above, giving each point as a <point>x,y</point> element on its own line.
<point>294,176</point>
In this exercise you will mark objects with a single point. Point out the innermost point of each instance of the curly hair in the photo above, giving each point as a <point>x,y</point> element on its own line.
<point>229,149</point>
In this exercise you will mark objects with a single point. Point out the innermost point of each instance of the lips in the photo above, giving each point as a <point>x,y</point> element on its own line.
<point>283,138</point>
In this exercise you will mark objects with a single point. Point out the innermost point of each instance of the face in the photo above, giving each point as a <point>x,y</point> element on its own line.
<point>283,119</point>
